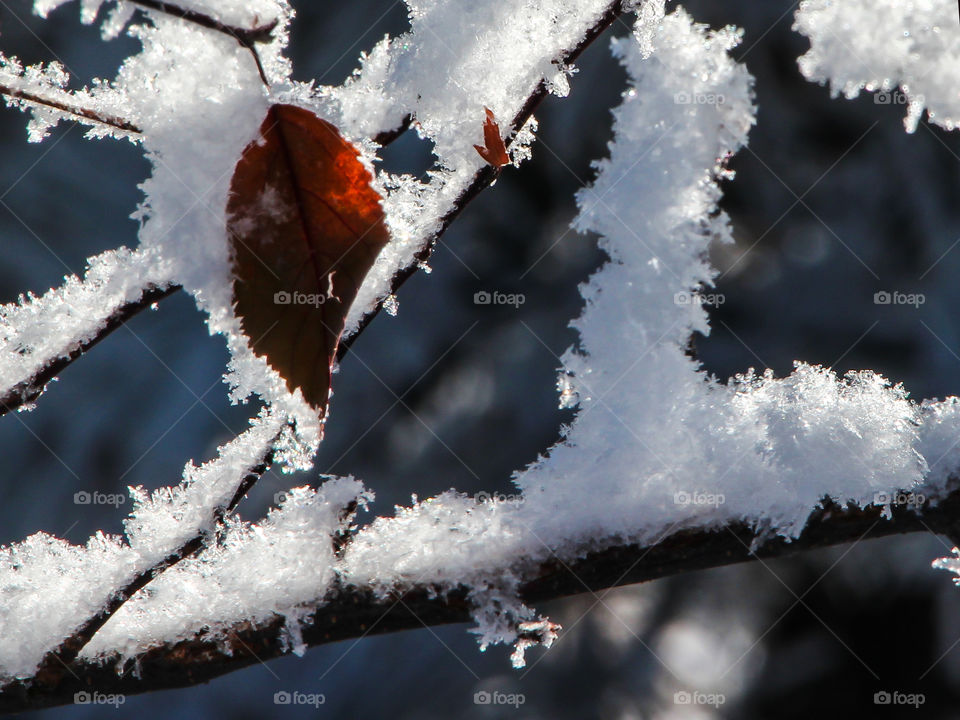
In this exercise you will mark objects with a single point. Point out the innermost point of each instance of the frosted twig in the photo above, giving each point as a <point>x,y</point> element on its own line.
<point>353,612</point>
<point>58,660</point>
<point>79,111</point>
<point>247,37</point>
<point>28,390</point>
<point>487,174</point>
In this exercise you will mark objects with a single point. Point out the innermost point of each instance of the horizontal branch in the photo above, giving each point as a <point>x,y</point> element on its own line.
<point>351,612</point>
<point>247,37</point>
<point>26,391</point>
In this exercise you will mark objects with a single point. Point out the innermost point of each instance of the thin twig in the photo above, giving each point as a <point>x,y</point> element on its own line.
<point>247,37</point>
<point>86,113</point>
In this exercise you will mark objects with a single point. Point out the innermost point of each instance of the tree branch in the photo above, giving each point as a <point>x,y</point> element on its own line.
<point>79,111</point>
<point>57,661</point>
<point>247,37</point>
<point>28,390</point>
<point>351,612</point>
<point>487,174</point>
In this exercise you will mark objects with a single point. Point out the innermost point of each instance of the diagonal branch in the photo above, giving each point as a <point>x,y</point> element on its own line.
<point>77,110</point>
<point>485,177</point>
<point>355,612</point>
<point>28,390</point>
<point>58,660</point>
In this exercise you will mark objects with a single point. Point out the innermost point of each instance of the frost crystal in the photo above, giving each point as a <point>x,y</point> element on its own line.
<point>906,52</point>
<point>50,586</point>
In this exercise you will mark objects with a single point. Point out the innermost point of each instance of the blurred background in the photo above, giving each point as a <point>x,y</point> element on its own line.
<point>832,203</point>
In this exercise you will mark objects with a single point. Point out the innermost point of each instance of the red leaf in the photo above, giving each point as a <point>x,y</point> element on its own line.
<point>304,227</point>
<point>495,151</point>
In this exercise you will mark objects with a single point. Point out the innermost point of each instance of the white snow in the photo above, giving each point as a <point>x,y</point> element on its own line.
<point>272,568</point>
<point>38,330</point>
<point>50,82</point>
<point>657,445</point>
<point>884,46</point>
<point>50,586</point>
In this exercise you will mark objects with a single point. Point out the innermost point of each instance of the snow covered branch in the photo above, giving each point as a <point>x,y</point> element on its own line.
<point>70,107</point>
<point>247,37</point>
<point>27,391</point>
<point>57,661</point>
<point>487,174</point>
<point>41,336</point>
<point>350,612</point>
